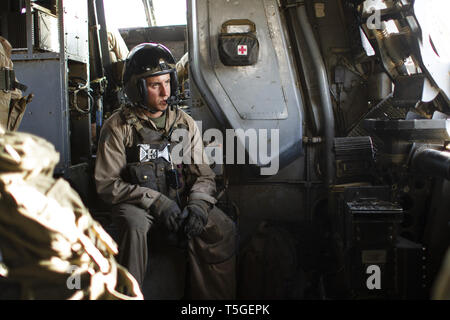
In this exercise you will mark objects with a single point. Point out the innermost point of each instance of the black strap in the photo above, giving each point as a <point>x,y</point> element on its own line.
<point>172,127</point>
<point>20,86</point>
<point>8,81</point>
<point>131,119</point>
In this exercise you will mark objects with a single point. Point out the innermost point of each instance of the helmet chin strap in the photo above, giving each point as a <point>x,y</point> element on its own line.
<point>153,111</point>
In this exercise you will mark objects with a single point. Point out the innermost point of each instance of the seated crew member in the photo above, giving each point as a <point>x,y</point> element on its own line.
<point>135,173</point>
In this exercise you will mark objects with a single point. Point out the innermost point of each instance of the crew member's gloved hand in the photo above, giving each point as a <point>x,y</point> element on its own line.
<point>167,211</point>
<point>196,213</point>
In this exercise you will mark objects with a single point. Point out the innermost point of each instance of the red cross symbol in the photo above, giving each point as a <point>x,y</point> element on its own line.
<point>242,50</point>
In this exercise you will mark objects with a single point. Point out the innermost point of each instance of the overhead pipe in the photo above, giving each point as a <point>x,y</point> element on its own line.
<point>327,125</point>
<point>324,90</point>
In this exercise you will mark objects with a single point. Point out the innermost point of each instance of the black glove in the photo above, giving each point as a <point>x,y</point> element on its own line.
<point>196,213</point>
<point>167,211</point>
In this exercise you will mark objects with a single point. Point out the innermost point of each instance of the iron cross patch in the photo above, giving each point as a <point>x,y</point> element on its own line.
<point>146,153</point>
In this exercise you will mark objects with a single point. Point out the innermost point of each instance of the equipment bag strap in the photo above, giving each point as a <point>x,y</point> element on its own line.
<point>8,80</point>
<point>131,119</point>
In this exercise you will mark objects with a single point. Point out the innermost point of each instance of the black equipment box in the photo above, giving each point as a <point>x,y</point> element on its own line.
<point>371,229</point>
<point>372,223</point>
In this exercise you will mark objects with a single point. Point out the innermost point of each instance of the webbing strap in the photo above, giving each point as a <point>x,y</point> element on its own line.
<point>132,119</point>
<point>8,80</point>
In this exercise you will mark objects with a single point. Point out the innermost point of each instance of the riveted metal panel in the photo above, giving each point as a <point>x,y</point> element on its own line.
<point>76,30</point>
<point>47,115</point>
<point>262,96</point>
<point>243,84</point>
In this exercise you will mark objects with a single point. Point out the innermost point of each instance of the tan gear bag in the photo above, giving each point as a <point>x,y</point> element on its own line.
<point>49,242</point>
<point>12,104</point>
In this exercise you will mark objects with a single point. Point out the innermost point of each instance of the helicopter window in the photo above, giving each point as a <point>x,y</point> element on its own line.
<point>139,13</point>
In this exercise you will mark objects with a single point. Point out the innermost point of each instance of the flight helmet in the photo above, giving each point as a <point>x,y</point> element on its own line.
<point>143,61</point>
